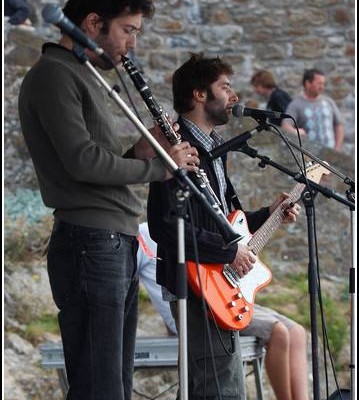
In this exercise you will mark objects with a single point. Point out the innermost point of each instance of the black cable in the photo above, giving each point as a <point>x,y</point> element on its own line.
<point>299,140</point>
<point>326,347</point>
<point>285,140</point>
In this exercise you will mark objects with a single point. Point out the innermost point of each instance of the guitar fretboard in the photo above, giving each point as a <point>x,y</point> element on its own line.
<point>266,231</point>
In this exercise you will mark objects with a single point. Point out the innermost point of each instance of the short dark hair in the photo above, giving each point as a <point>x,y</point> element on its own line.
<point>199,73</point>
<point>309,74</point>
<point>263,78</point>
<point>77,10</point>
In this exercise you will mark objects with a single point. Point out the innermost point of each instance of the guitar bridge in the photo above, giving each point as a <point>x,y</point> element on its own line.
<point>231,276</point>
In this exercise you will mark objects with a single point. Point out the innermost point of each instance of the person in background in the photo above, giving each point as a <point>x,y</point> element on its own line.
<point>265,85</point>
<point>203,97</point>
<point>316,114</point>
<point>283,338</point>
<point>85,174</point>
<point>18,12</point>
<point>146,267</point>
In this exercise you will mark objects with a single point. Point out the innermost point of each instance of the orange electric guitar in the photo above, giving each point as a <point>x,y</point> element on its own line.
<point>231,298</point>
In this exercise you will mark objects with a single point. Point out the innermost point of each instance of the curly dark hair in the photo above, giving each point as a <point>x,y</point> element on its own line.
<point>77,10</point>
<point>199,72</point>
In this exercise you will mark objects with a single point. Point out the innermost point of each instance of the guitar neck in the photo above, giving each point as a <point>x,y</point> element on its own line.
<point>266,231</point>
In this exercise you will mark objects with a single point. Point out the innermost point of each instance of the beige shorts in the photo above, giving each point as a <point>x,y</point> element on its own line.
<point>263,322</point>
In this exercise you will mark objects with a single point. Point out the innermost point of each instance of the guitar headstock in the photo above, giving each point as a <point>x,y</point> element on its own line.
<point>315,172</point>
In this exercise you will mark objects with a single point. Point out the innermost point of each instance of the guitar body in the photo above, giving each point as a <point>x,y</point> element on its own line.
<point>230,297</point>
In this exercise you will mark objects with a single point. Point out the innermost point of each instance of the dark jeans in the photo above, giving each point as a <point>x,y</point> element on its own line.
<point>227,357</point>
<point>95,285</point>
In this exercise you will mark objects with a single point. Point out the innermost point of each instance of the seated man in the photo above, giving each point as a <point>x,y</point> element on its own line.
<point>284,339</point>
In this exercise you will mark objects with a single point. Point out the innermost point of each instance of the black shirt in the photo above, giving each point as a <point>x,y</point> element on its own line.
<point>278,101</point>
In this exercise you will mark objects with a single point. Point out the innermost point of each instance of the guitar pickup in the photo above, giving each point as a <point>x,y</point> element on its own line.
<point>231,276</point>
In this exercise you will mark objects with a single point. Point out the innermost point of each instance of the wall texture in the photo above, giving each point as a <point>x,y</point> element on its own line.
<point>283,36</point>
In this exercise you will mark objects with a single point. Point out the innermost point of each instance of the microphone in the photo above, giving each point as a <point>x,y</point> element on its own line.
<point>53,14</point>
<point>234,144</point>
<point>240,111</point>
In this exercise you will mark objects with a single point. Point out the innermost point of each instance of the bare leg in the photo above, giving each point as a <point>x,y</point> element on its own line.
<point>277,362</point>
<point>298,363</point>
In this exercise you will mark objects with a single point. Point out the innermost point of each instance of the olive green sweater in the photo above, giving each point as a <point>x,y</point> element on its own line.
<point>76,151</point>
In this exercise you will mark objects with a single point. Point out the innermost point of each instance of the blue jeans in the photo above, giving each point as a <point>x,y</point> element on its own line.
<point>94,284</point>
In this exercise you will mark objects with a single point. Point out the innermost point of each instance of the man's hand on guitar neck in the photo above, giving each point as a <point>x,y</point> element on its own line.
<point>244,260</point>
<point>291,210</point>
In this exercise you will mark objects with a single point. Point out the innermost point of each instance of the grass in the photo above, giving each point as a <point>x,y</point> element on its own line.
<point>24,242</point>
<point>35,330</point>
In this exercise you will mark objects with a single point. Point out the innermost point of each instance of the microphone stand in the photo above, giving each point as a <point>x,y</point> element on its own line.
<point>350,193</point>
<point>308,197</point>
<point>181,287</point>
<point>187,186</point>
<point>351,197</point>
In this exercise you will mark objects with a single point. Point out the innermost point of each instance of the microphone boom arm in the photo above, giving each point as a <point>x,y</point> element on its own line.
<point>253,153</point>
<point>346,179</point>
<point>236,143</point>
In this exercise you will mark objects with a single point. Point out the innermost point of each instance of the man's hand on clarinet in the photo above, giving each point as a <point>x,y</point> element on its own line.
<point>183,154</point>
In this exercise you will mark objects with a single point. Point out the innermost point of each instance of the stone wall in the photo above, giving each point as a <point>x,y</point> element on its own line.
<point>280,35</point>
<point>283,36</point>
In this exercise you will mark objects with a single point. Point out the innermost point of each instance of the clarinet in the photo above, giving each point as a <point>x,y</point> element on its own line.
<point>161,118</point>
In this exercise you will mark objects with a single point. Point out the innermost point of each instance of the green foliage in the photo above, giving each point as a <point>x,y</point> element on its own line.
<point>336,323</point>
<point>35,330</point>
<point>25,203</point>
<point>27,225</point>
<point>23,242</point>
<point>143,295</point>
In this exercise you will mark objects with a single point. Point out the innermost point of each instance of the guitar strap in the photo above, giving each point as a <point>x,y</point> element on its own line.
<point>232,196</point>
